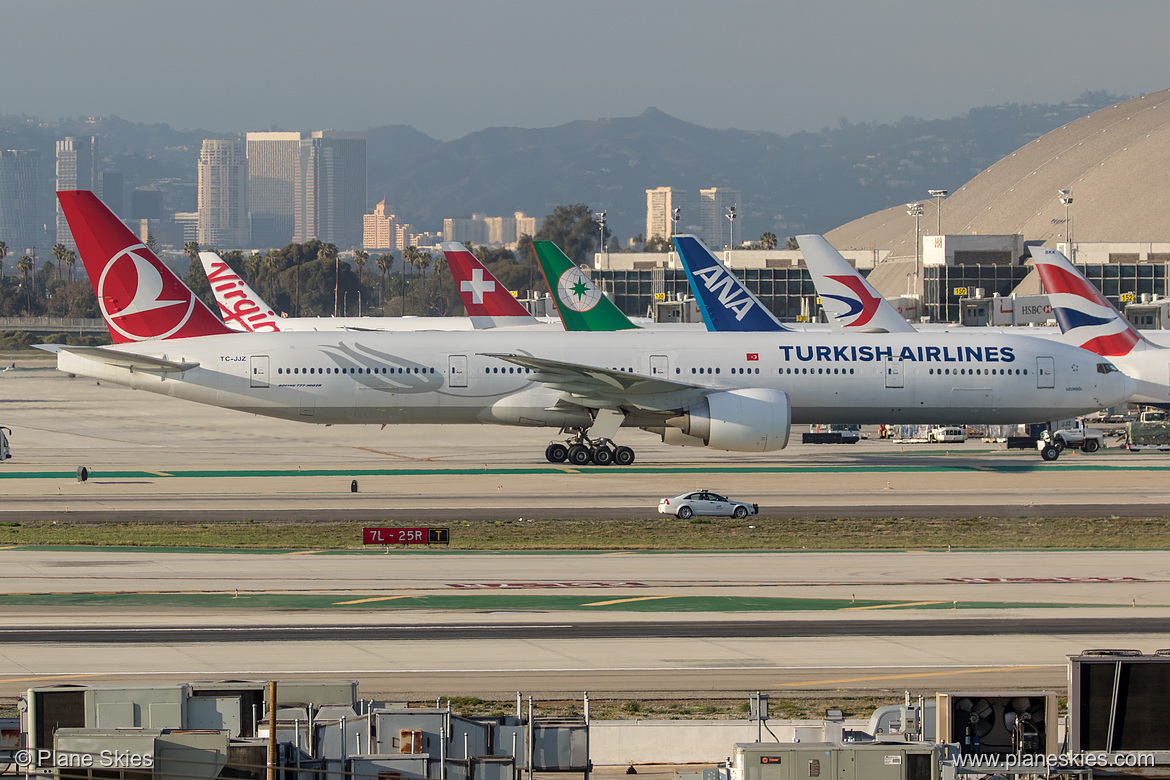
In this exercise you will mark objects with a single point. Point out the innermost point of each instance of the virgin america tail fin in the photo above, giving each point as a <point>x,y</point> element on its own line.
<point>139,297</point>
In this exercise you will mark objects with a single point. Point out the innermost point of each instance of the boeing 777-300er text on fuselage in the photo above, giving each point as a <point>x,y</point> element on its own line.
<point>730,391</point>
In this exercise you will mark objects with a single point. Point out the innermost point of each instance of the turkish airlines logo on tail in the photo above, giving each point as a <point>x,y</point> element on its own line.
<point>139,299</point>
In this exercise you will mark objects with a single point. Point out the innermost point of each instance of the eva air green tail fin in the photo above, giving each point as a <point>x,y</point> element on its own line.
<point>581,304</point>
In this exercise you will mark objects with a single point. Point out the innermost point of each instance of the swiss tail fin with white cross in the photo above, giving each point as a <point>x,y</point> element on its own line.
<point>488,303</point>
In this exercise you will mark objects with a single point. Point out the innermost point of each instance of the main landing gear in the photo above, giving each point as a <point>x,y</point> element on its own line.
<point>581,451</point>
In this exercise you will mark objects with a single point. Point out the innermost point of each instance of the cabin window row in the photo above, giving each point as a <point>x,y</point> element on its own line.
<point>980,371</point>
<point>367,370</point>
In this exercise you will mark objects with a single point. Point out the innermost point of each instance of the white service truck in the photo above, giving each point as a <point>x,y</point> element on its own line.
<point>1071,434</point>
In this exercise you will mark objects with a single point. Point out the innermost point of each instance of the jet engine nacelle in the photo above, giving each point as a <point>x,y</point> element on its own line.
<point>750,420</point>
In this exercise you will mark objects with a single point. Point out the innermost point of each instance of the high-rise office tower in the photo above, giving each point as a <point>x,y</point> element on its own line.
<point>330,188</point>
<point>20,187</point>
<point>77,169</point>
<point>715,227</point>
<point>660,206</point>
<point>273,161</point>
<point>223,194</point>
<point>113,192</point>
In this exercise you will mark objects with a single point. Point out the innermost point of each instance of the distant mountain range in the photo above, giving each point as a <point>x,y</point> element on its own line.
<point>806,182</point>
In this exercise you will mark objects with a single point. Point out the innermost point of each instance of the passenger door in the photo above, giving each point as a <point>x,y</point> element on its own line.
<point>1045,372</point>
<point>659,365</point>
<point>894,373</point>
<point>457,371</point>
<point>258,369</point>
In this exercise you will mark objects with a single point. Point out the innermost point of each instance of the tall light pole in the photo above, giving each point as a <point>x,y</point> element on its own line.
<point>731,215</point>
<point>915,210</point>
<point>600,219</point>
<point>675,216</point>
<point>938,195</point>
<point>1066,199</point>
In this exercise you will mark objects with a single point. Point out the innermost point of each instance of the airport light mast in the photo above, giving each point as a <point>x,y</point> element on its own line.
<point>915,210</point>
<point>599,218</point>
<point>1066,199</point>
<point>938,195</point>
<point>731,215</point>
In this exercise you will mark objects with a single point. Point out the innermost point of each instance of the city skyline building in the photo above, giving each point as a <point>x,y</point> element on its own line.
<point>330,188</point>
<point>660,205</point>
<point>714,226</point>
<point>273,160</point>
<point>223,194</point>
<point>76,169</point>
<point>21,226</point>
<point>380,229</point>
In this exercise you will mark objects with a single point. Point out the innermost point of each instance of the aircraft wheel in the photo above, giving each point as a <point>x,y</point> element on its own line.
<point>1090,445</point>
<point>1049,452</point>
<point>602,456</point>
<point>556,452</point>
<point>685,513</point>
<point>1059,444</point>
<point>580,455</point>
<point>623,456</point>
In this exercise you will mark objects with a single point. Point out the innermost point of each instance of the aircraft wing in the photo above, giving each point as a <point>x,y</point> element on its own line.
<point>113,357</point>
<point>595,387</point>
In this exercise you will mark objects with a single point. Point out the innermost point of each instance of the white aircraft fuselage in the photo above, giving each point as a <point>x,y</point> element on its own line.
<point>437,377</point>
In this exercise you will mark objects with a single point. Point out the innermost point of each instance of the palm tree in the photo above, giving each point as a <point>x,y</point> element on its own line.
<point>59,251</point>
<point>191,250</point>
<point>384,262</point>
<point>423,262</point>
<point>409,257</point>
<point>768,240</point>
<point>3,254</point>
<point>70,259</point>
<point>360,256</point>
<point>25,266</point>
<point>329,252</point>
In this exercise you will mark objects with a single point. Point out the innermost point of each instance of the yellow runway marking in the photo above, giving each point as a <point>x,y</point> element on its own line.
<point>626,601</point>
<point>302,552</point>
<point>10,548</point>
<point>366,601</point>
<point>915,674</point>
<point>160,473</point>
<point>895,606</point>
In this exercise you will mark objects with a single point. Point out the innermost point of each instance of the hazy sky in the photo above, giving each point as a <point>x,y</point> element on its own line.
<point>450,67</point>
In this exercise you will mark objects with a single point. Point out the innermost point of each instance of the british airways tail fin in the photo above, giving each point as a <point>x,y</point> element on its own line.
<point>851,302</point>
<point>139,297</point>
<point>242,308</point>
<point>1085,317</point>
<point>581,304</point>
<point>724,301</point>
<point>488,303</point>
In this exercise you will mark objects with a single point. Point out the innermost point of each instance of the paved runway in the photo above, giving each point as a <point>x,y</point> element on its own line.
<point>616,624</point>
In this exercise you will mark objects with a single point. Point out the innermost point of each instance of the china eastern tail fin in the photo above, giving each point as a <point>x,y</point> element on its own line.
<point>242,308</point>
<point>488,303</point>
<point>1085,317</point>
<point>139,297</point>
<point>579,301</point>
<point>725,303</point>
<point>849,300</point>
